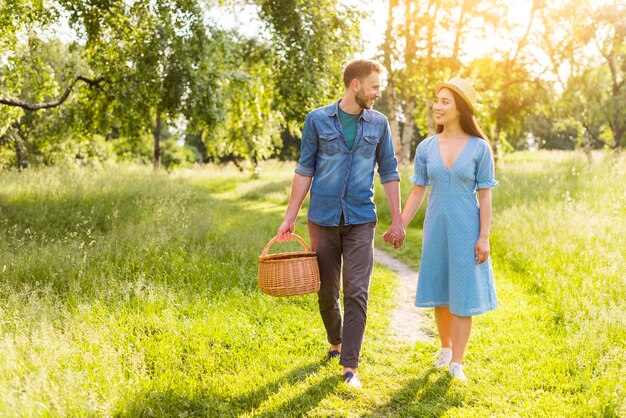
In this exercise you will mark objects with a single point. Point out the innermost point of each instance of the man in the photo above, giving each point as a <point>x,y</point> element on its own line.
<point>341,145</point>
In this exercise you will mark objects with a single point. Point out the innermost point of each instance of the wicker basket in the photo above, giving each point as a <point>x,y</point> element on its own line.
<point>289,273</point>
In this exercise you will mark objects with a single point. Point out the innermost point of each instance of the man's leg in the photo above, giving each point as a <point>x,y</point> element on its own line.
<point>326,243</point>
<point>358,262</point>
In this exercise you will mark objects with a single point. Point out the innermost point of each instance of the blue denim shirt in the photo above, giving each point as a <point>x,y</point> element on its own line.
<point>343,178</point>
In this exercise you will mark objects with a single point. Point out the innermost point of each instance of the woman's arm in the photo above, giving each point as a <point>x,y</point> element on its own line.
<point>413,203</point>
<point>411,207</point>
<point>482,249</point>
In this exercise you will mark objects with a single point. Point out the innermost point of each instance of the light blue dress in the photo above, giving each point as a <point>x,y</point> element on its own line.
<point>449,275</point>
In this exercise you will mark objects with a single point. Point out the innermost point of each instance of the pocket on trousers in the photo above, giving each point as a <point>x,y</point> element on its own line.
<point>329,144</point>
<point>368,146</point>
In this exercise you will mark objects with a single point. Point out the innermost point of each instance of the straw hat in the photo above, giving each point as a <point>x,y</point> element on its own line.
<point>462,87</point>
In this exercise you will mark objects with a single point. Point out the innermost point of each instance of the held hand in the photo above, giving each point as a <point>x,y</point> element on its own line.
<point>388,236</point>
<point>482,250</point>
<point>285,231</point>
<point>395,235</point>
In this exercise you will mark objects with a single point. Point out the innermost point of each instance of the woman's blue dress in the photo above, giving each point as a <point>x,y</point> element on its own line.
<point>449,275</point>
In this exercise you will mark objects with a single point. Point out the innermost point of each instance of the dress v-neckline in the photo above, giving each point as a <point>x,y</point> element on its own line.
<point>457,157</point>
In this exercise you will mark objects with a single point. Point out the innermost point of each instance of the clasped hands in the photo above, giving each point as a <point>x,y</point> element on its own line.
<point>395,235</point>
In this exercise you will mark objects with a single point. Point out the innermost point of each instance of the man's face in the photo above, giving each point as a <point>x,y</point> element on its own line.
<point>369,90</point>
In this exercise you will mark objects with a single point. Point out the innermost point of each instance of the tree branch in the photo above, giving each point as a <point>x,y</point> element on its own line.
<point>37,106</point>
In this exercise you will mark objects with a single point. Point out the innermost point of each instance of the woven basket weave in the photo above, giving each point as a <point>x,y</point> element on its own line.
<point>288,273</point>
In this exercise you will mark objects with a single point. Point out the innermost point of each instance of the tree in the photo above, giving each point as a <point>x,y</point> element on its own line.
<point>35,71</point>
<point>593,90</point>
<point>313,41</point>
<point>609,36</point>
<point>250,129</point>
<point>514,85</point>
<point>417,48</point>
<point>149,52</point>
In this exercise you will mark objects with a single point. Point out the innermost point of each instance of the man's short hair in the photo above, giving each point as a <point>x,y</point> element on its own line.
<point>360,68</point>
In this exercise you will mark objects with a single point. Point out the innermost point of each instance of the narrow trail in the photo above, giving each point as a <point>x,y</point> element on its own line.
<point>407,321</point>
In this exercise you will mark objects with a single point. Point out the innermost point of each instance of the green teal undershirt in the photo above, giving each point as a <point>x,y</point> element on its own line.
<point>349,124</point>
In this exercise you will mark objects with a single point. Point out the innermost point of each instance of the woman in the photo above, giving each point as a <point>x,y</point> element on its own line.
<point>455,275</point>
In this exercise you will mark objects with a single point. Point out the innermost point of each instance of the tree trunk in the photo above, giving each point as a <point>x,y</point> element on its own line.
<point>407,132</point>
<point>20,152</point>
<point>393,117</point>
<point>618,129</point>
<point>392,97</point>
<point>587,146</point>
<point>495,144</point>
<point>157,144</point>
<point>430,117</point>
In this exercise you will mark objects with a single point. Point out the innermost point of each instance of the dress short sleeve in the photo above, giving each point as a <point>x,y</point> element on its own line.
<point>485,168</point>
<point>420,175</point>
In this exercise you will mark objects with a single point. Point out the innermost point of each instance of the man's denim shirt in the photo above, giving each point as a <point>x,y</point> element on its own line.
<point>343,179</point>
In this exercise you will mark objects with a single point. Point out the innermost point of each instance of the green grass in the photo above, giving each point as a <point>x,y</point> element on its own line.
<point>129,293</point>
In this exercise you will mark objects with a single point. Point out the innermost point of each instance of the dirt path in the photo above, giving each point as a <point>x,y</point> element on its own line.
<point>407,320</point>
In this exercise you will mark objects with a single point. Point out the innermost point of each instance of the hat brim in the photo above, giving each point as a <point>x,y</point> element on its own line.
<point>455,89</point>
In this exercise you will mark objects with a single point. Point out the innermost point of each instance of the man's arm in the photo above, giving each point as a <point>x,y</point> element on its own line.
<point>302,180</point>
<point>392,191</point>
<point>299,189</point>
<point>390,178</point>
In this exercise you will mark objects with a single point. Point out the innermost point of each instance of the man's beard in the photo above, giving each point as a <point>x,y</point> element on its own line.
<point>361,99</point>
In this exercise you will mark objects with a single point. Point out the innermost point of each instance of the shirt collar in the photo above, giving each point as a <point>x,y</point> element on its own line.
<point>335,109</point>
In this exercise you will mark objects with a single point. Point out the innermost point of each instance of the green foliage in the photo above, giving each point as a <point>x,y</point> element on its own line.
<point>179,156</point>
<point>148,53</point>
<point>314,41</point>
<point>593,92</point>
<point>250,127</point>
<point>39,71</point>
<point>164,62</point>
<point>17,14</point>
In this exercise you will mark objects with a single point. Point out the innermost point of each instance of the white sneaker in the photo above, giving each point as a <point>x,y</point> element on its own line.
<point>352,379</point>
<point>443,357</point>
<point>456,370</point>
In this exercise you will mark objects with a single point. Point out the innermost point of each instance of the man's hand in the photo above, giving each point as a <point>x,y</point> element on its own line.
<point>285,231</point>
<point>395,235</point>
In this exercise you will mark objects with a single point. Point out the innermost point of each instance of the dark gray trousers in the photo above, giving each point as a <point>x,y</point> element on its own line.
<point>356,244</point>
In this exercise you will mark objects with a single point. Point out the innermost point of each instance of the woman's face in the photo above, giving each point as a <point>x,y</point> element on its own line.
<point>444,109</point>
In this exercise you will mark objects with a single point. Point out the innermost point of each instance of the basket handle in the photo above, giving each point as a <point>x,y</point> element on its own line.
<point>273,240</point>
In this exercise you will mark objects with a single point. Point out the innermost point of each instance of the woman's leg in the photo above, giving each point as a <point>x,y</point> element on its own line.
<point>443,318</point>
<point>461,327</point>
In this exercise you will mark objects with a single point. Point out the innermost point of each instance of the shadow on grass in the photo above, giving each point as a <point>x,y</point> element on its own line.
<point>261,192</point>
<point>421,398</point>
<point>209,404</point>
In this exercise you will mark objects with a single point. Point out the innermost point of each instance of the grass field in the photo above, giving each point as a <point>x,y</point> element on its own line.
<point>129,293</point>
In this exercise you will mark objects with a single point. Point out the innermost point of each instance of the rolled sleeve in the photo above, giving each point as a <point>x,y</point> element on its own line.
<point>485,169</point>
<point>308,149</point>
<point>304,171</point>
<point>386,158</point>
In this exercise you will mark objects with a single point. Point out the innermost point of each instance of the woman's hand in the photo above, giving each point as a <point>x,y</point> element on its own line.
<point>482,250</point>
<point>395,235</point>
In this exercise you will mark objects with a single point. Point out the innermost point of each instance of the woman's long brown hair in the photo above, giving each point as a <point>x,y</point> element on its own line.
<point>469,124</point>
